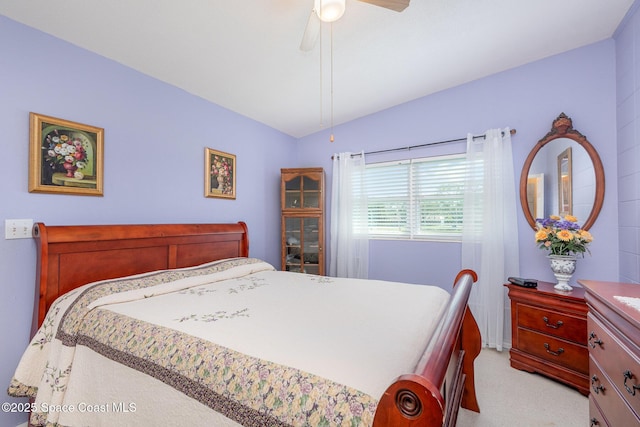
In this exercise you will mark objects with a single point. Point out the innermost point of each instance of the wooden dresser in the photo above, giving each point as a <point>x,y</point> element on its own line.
<point>549,333</point>
<point>614,353</point>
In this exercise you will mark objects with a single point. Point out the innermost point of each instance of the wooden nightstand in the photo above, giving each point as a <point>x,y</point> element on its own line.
<point>549,333</point>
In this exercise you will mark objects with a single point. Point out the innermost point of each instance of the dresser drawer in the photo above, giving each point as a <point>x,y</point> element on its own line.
<point>622,367</point>
<point>608,399</point>
<point>560,352</point>
<point>596,418</point>
<point>561,325</point>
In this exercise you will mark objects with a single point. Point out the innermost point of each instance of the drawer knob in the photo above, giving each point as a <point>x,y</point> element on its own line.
<point>631,390</point>
<point>596,386</point>
<point>594,340</point>
<point>554,353</point>
<point>549,325</point>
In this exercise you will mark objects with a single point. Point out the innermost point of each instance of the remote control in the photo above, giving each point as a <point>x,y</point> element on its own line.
<point>527,283</point>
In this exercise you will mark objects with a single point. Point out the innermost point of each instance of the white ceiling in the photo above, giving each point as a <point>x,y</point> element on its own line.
<point>244,54</point>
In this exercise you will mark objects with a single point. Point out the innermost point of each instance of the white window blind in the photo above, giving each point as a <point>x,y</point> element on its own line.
<point>416,199</point>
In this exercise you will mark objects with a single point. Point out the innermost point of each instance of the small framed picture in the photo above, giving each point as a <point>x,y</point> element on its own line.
<point>565,183</point>
<point>220,174</point>
<point>65,157</point>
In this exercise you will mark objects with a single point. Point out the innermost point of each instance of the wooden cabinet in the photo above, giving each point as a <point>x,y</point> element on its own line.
<point>302,204</point>
<point>549,333</point>
<point>613,326</point>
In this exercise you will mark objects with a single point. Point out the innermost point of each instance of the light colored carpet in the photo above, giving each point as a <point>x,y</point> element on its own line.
<point>509,397</point>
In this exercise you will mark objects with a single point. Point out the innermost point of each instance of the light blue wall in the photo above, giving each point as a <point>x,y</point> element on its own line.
<point>155,136</point>
<point>628,126</point>
<point>580,83</point>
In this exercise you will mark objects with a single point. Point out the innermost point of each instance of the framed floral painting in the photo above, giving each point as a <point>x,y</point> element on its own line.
<point>65,157</point>
<point>220,174</point>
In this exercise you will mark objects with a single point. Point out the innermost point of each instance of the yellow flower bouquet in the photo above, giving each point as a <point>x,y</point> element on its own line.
<point>562,236</point>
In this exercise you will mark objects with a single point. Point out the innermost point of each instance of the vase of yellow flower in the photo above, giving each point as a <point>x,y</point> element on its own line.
<point>564,239</point>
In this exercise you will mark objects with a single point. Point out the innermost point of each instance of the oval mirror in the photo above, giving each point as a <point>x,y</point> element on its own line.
<point>562,175</point>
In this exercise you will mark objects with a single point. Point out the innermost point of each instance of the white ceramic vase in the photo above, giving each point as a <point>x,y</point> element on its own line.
<point>563,267</point>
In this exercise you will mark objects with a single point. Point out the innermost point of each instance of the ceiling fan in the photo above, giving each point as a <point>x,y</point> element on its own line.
<point>332,10</point>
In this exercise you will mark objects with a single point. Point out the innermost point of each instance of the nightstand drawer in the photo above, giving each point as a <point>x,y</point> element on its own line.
<point>608,399</point>
<point>560,352</point>
<point>561,325</point>
<point>616,360</point>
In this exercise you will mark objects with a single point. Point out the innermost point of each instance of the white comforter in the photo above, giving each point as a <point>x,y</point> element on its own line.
<point>290,349</point>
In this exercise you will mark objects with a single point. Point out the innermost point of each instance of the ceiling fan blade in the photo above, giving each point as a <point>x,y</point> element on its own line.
<point>311,32</point>
<point>397,5</point>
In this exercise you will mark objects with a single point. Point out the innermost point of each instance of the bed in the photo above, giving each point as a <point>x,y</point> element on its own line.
<point>176,325</point>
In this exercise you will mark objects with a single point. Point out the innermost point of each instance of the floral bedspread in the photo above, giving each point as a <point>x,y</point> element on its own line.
<point>215,337</point>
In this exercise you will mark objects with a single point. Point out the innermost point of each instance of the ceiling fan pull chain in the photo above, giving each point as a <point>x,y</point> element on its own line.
<point>331,138</point>
<point>321,84</point>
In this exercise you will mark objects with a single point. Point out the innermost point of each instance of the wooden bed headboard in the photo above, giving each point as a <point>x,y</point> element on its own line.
<point>72,256</point>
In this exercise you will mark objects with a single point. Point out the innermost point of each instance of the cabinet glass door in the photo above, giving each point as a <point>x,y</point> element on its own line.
<point>293,195</point>
<point>302,244</point>
<point>310,192</point>
<point>302,192</point>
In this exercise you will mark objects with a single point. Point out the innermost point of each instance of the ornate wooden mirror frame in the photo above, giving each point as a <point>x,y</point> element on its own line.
<point>563,128</point>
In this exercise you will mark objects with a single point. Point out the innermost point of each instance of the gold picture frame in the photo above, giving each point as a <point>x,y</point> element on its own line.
<point>219,174</point>
<point>65,157</point>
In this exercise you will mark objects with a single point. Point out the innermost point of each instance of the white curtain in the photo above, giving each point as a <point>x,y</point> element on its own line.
<point>490,232</point>
<point>348,238</point>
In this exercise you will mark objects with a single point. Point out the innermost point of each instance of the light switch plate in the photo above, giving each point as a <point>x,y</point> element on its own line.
<point>18,228</point>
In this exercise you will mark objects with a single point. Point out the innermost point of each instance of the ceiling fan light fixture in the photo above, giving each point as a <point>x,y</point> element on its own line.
<point>329,10</point>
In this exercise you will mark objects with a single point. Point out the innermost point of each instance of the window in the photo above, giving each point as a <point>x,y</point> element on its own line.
<point>415,199</point>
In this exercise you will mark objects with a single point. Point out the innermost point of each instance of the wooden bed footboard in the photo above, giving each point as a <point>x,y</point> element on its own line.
<point>444,378</point>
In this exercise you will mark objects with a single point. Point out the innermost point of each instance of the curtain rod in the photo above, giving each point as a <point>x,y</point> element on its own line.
<point>512,132</point>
